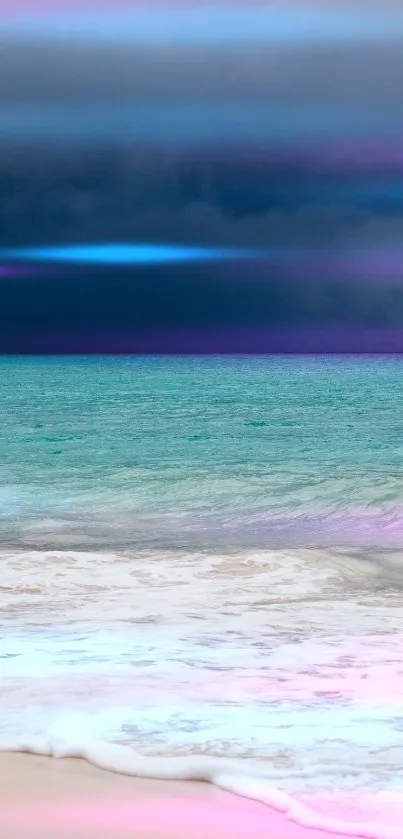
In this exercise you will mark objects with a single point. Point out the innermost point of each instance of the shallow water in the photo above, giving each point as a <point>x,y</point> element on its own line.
<point>206,556</point>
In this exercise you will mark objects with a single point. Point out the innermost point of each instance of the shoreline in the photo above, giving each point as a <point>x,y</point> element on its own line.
<point>41,797</point>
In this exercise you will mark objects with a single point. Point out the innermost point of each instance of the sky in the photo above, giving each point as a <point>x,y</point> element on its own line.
<point>251,154</point>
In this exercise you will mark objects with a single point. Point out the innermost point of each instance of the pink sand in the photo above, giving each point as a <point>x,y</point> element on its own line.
<point>42,797</point>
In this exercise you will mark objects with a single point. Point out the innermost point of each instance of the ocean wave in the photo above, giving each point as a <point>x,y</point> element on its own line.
<point>102,526</point>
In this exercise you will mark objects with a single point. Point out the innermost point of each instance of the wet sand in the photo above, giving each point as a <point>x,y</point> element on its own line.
<point>42,798</point>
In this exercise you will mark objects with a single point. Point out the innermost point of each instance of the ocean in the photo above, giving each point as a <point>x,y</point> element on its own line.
<point>205,556</point>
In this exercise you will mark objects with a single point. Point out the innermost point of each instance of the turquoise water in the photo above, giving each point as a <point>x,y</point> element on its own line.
<point>206,555</point>
<point>202,451</point>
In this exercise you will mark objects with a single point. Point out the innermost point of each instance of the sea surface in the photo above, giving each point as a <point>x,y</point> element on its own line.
<point>205,555</point>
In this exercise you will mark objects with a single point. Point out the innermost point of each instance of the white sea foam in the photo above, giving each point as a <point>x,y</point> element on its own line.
<point>274,657</point>
<point>239,777</point>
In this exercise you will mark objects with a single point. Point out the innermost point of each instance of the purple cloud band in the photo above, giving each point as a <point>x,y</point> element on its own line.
<point>240,342</point>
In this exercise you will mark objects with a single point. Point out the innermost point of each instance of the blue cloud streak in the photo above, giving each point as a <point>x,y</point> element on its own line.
<point>214,26</point>
<point>130,254</point>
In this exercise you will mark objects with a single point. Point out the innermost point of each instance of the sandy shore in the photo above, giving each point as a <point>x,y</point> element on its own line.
<point>42,798</point>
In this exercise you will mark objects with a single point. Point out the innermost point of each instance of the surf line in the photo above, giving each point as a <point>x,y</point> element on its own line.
<point>238,777</point>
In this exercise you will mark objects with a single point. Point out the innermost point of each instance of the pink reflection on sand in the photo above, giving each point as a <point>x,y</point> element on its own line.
<point>226,817</point>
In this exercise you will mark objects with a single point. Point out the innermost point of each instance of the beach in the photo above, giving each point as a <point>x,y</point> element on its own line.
<point>40,797</point>
<point>201,563</point>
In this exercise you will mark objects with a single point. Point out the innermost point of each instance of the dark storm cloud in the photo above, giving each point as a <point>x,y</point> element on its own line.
<point>247,143</point>
<point>197,311</point>
<point>83,196</point>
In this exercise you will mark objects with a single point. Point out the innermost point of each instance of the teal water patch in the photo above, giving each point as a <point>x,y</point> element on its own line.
<point>187,447</point>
